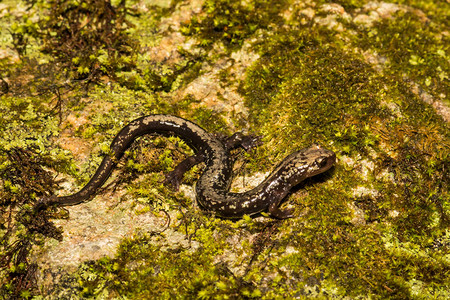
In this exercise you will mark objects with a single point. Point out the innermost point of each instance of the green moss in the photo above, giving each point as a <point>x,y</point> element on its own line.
<point>24,124</point>
<point>147,271</point>
<point>88,38</point>
<point>348,5</point>
<point>413,48</point>
<point>23,153</point>
<point>317,93</point>
<point>231,22</point>
<point>434,10</point>
<point>168,78</point>
<point>307,87</point>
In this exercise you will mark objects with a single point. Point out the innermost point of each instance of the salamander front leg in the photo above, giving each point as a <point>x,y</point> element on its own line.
<point>175,177</point>
<point>239,139</point>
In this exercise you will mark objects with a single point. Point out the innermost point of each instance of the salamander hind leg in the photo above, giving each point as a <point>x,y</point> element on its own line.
<point>276,212</point>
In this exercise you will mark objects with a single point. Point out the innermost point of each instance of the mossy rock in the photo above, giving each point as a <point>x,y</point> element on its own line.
<point>368,80</point>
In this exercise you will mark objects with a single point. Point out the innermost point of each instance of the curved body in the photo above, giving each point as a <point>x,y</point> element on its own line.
<point>212,189</point>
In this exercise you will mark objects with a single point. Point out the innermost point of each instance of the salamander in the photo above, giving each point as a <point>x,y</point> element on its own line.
<point>213,187</point>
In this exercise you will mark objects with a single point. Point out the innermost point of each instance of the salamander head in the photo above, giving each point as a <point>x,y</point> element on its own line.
<point>308,162</point>
<point>318,159</point>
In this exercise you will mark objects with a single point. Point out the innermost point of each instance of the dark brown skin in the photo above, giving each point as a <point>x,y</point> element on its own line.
<point>212,189</point>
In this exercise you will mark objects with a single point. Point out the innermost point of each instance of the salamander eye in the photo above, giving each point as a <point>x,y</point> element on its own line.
<point>321,161</point>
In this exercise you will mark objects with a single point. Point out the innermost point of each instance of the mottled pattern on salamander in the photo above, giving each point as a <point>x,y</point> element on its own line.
<point>212,189</point>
